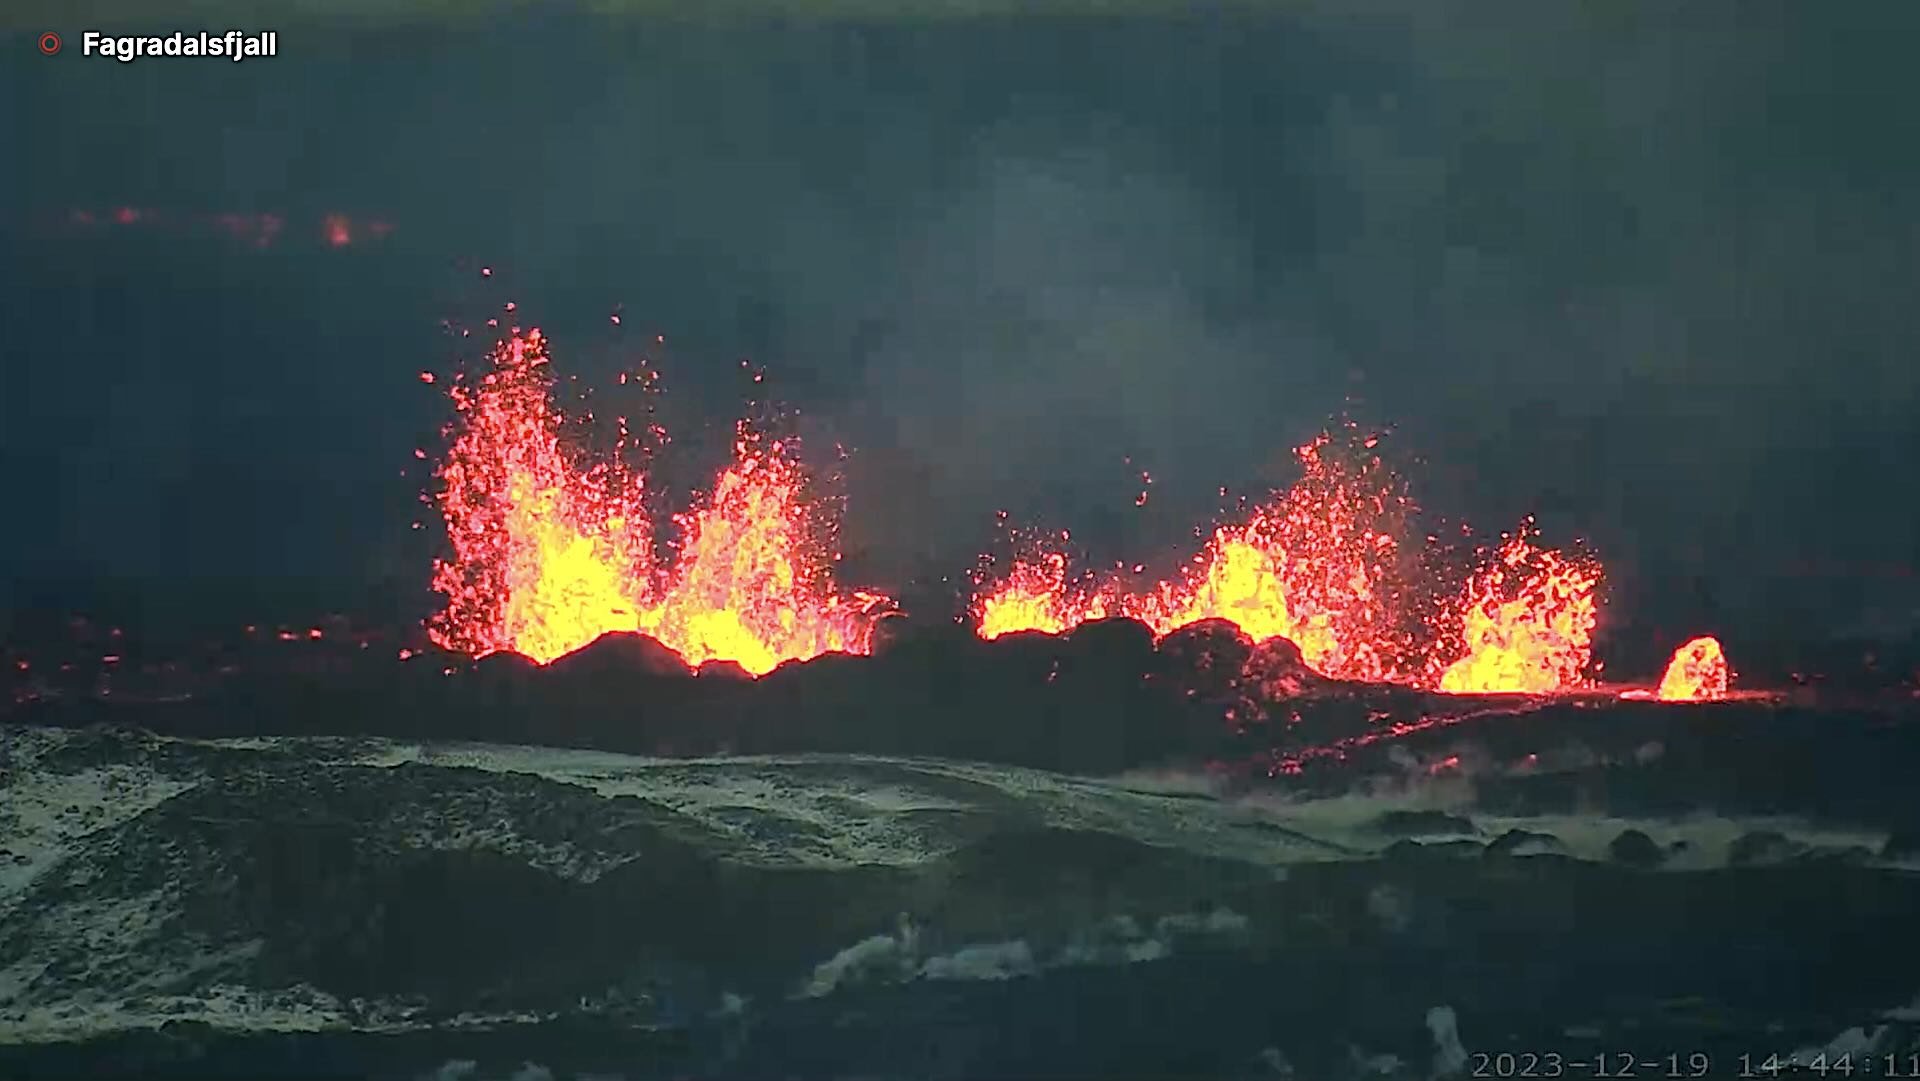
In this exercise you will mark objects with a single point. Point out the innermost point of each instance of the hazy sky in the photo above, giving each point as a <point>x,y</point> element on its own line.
<point>1649,271</point>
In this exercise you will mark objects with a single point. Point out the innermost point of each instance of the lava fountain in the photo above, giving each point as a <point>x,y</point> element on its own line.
<point>1697,673</point>
<point>1323,565</point>
<point>1320,565</point>
<point>1036,596</point>
<point>1528,622</point>
<point>552,550</point>
<point>749,585</point>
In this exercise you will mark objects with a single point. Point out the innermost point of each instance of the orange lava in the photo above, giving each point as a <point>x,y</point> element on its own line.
<point>1319,566</point>
<point>1697,673</point>
<point>747,586</point>
<point>1037,597</point>
<point>550,552</point>
<point>1527,624</point>
<point>1323,566</point>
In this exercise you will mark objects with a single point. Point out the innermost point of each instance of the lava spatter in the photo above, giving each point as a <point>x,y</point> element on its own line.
<point>1697,673</point>
<point>749,585</point>
<point>552,549</point>
<point>1321,565</point>
<point>549,553</point>
<point>1036,595</point>
<point>1527,622</point>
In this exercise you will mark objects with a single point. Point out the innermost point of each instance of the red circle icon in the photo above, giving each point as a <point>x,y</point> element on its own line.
<point>49,43</point>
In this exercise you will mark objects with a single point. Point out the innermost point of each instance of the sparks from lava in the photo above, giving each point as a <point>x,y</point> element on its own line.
<point>1527,622</point>
<point>1697,673</point>
<point>1319,565</point>
<point>552,549</point>
<point>1322,564</point>
<point>1037,596</point>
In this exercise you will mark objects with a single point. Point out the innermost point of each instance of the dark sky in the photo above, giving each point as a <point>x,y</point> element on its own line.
<point>1646,270</point>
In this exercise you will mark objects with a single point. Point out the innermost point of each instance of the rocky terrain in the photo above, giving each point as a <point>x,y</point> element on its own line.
<point>1255,874</point>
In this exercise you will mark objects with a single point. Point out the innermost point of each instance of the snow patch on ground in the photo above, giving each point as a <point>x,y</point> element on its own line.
<point>300,1009</point>
<point>45,811</point>
<point>1694,842</point>
<point>987,961</point>
<point>1449,1055</point>
<point>898,957</point>
<point>429,827</point>
<point>850,810</point>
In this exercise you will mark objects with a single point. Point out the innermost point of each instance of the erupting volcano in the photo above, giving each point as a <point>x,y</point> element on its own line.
<point>1320,566</point>
<point>1323,565</point>
<point>552,550</point>
<point>553,546</point>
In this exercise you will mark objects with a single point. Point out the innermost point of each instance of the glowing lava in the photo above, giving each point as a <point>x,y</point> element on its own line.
<point>1037,597</point>
<point>746,587</point>
<point>552,548</point>
<point>549,552</point>
<point>1527,624</point>
<point>1697,673</point>
<point>1322,565</point>
<point>1318,566</point>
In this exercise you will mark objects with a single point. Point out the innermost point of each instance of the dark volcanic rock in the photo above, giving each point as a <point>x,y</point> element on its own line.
<point>1635,849</point>
<point>842,916</point>
<point>1403,823</point>
<point>505,677</point>
<point>1264,692</point>
<point>1126,644</point>
<point>486,697</point>
<point>1278,671</point>
<point>619,654</point>
<point>729,670</point>
<point>1099,699</point>
<point>1208,659</point>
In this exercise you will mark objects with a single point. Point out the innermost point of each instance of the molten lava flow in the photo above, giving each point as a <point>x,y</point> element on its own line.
<point>1697,673</point>
<point>1527,624</point>
<point>1318,566</point>
<point>549,554</point>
